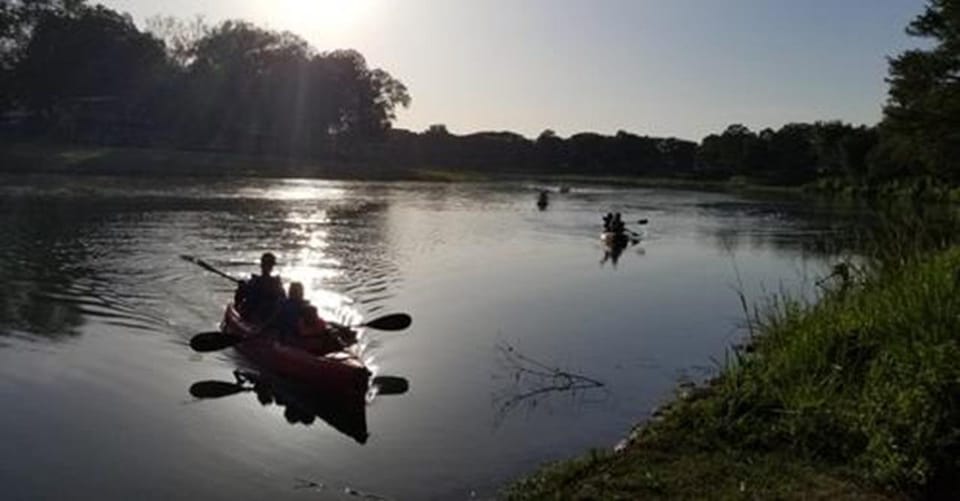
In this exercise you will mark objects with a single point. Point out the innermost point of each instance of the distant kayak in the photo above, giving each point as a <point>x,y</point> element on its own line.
<point>615,240</point>
<point>340,372</point>
<point>543,200</point>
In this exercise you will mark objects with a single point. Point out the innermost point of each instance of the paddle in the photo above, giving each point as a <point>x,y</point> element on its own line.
<point>216,389</point>
<point>636,235</point>
<point>391,385</point>
<point>209,267</point>
<point>386,385</point>
<point>214,341</point>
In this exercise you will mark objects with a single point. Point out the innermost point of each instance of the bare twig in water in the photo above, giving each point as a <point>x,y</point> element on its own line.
<point>303,483</point>
<point>533,380</point>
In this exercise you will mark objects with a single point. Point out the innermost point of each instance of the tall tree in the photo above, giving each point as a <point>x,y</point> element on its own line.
<point>922,114</point>
<point>18,18</point>
<point>89,52</point>
<point>269,90</point>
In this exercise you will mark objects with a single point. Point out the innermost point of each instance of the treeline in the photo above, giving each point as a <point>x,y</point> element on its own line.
<point>584,153</point>
<point>74,72</point>
<point>794,154</point>
<point>916,145</point>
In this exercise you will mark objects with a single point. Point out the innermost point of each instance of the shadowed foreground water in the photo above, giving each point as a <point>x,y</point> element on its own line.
<point>97,309</point>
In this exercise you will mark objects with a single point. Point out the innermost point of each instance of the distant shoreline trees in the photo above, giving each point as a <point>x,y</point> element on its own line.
<point>73,72</point>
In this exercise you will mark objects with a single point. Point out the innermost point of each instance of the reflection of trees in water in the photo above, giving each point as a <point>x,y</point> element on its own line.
<point>844,232</point>
<point>532,383</point>
<point>815,229</point>
<point>60,260</point>
<point>42,256</point>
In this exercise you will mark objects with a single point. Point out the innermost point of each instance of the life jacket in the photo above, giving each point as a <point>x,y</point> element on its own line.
<point>309,322</point>
<point>258,297</point>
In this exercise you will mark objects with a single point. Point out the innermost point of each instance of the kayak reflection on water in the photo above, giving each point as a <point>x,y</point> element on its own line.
<point>612,254</point>
<point>346,414</point>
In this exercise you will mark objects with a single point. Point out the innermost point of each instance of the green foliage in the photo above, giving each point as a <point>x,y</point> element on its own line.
<point>87,73</point>
<point>867,376</point>
<point>269,91</point>
<point>795,154</point>
<point>118,60</point>
<point>923,111</point>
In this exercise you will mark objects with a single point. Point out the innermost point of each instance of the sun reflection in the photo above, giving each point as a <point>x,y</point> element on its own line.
<point>298,189</point>
<point>311,265</point>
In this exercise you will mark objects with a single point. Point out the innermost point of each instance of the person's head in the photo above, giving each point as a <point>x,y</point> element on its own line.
<point>296,291</point>
<point>267,262</point>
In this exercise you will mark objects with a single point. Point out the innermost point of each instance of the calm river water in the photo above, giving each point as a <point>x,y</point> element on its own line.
<point>97,310</point>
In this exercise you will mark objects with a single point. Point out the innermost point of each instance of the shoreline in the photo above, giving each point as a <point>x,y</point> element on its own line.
<point>842,398</point>
<point>52,158</point>
<point>37,157</point>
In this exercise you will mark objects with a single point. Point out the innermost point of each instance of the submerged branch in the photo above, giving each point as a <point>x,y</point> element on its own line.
<point>534,379</point>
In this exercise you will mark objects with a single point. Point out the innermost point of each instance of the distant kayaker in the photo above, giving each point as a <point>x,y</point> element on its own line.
<point>259,297</point>
<point>607,220</point>
<point>617,225</point>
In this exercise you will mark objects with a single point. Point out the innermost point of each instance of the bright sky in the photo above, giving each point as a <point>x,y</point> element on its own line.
<point>680,68</point>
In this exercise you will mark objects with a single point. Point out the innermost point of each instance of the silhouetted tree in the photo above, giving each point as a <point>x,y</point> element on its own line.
<point>179,37</point>
<point>252,88</point>
<point>88,63</point>
<point>923,111</point>
<point>18,18</point>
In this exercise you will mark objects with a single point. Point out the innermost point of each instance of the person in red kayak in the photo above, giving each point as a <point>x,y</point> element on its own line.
<point>259,297</point>
<point>300,324</point>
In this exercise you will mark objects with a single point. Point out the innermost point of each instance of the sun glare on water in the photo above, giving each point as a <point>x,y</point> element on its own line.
<point>312,16</point>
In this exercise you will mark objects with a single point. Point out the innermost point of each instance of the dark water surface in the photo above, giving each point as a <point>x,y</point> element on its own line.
<point>97,308</point>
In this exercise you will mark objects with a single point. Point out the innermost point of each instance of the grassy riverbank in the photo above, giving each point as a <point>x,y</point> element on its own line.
<point>913,188</point>
<point>56,158</point>
<point>856,396</point>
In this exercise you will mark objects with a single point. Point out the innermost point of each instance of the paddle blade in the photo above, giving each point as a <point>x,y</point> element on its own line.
<point>394,322</point>
<point>213,341</point>
<point>391,385</point>
<point>215,389</point>
<point>643,221</point>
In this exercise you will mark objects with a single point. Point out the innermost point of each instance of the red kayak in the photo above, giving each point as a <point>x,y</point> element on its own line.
<point>340,372</point>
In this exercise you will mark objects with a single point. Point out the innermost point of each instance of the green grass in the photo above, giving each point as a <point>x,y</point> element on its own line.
<point>912,188</point>
<point>854,396</point>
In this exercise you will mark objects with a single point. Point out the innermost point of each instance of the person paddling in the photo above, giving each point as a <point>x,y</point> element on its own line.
<point>543,199</point>
<point>258,298</point>
<point>617,226</point>
<point>607,219</point>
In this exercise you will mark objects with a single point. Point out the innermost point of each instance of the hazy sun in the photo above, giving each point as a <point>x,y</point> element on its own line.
<point>326,16</point>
